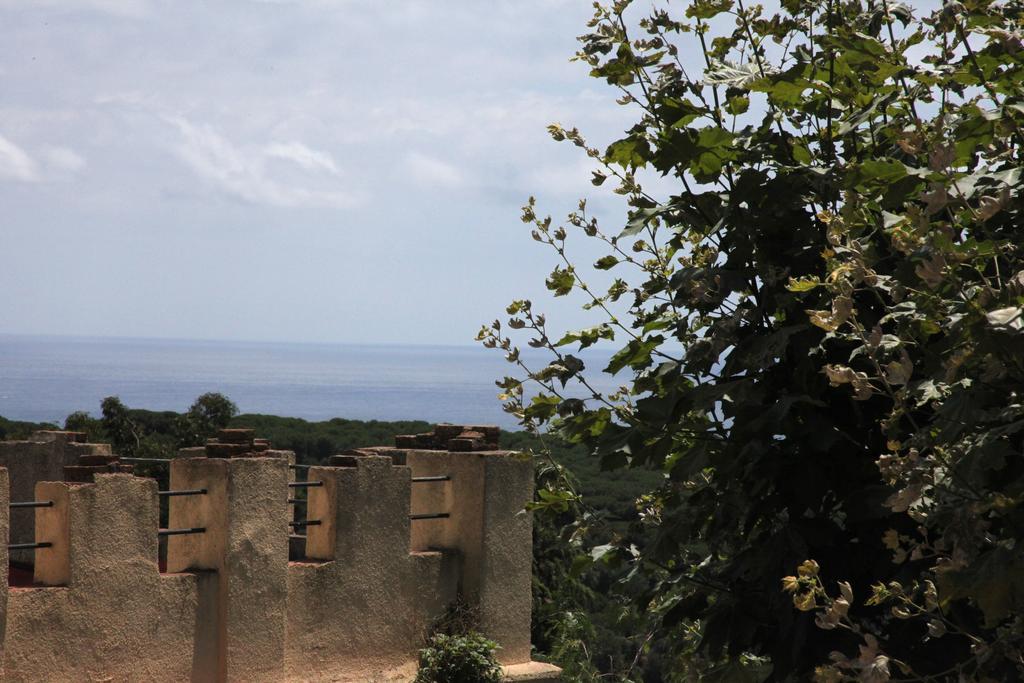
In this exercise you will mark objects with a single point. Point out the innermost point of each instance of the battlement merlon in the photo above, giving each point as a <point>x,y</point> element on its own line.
<point>490,529</point>
<point>244,515</point>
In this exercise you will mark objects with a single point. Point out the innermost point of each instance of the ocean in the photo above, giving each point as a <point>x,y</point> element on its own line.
<point>47,378</point>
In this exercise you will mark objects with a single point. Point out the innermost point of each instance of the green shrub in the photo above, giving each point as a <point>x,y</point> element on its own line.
<point>459,659</point>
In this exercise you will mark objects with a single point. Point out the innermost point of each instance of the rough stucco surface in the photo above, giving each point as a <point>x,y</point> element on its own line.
<point>367,608</point>
<point>245,513</point>
<point>492,533</point>
<point>117,619</point>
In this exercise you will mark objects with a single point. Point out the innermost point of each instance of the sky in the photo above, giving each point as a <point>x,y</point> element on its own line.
<point>288,170</point>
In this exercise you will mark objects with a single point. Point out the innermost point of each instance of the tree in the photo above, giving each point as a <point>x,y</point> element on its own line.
<point>125,435</point>
<point>82,421</point>
<point>207,414</point>
<point>822,330</point>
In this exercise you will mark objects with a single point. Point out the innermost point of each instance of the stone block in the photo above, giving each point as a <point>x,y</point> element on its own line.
<point>245,436</point>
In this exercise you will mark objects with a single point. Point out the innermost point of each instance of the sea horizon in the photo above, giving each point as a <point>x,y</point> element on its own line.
<point>44,377</point>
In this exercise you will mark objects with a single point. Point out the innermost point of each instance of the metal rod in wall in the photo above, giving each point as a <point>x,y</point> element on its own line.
<point>182,532</point>
<point>183,492</point>
<point>32,504</point>
<point>29,546</point>
<point>433,515</point>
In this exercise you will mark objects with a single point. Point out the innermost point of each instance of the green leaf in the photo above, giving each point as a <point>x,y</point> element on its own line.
<point>995,584</point>
<point>737,105</point>
<point>560,281</point>
<point>732,75</point>
<point>878,172</point>
<point>715,147</point>
<point>587,336</point>
<point>636,354</point>
<point>804,284</point>
<point>632,152</point>
<point>801,154</point>
<point>606,262</point>
<point>707,9</point>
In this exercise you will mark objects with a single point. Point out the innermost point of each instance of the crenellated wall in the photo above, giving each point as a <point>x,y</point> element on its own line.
<point>371,577</point>
<point>41,458</point>
<point>106,612</point>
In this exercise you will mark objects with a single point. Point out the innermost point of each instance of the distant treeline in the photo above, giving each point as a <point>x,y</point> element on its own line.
<point>149,433</point>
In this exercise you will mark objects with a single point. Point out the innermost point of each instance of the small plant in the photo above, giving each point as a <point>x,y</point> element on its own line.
<point>465,658</point>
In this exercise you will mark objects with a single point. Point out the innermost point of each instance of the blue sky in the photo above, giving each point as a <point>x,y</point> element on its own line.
<point>301,170</point>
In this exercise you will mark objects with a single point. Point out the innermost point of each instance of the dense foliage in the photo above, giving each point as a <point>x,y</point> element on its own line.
<point>315,442</point>
<point>820,333</point>
<point>135,432</point>
<point>17,430</point>
<point>467,658</point>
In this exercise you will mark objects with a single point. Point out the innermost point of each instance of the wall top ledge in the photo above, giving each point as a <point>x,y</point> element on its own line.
<point>538,672</point>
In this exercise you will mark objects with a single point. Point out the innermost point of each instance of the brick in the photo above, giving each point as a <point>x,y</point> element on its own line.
<point>226,450</point>
<point>491,432</point>
<point>443,432</point>
<point>97,459</point>
<point>464,445</point>
<point>236,435</point>
<point>426,441</point>
<point>86,473</point>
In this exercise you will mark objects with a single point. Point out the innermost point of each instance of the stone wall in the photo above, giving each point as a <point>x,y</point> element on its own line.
<point>387,539</point>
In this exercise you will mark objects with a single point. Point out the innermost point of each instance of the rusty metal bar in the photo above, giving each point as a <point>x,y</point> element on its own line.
<point>304,484</point>
<point>297,501</point>
<point>439,477</point>
<point>432,515</point>
<point>304,523</point>
<point>183,492</point>
<point>182,532</point>
<point>29,546</point>
<point>32,504</point>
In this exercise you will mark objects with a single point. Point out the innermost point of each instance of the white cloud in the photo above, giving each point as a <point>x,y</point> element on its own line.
<point>425,170</point>
<point>302,155</point>
<point>244,171</point>
<point>64,159</point>
<point>15,163</point>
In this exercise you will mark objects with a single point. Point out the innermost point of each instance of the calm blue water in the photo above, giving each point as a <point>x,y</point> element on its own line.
<point>46,378</point>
